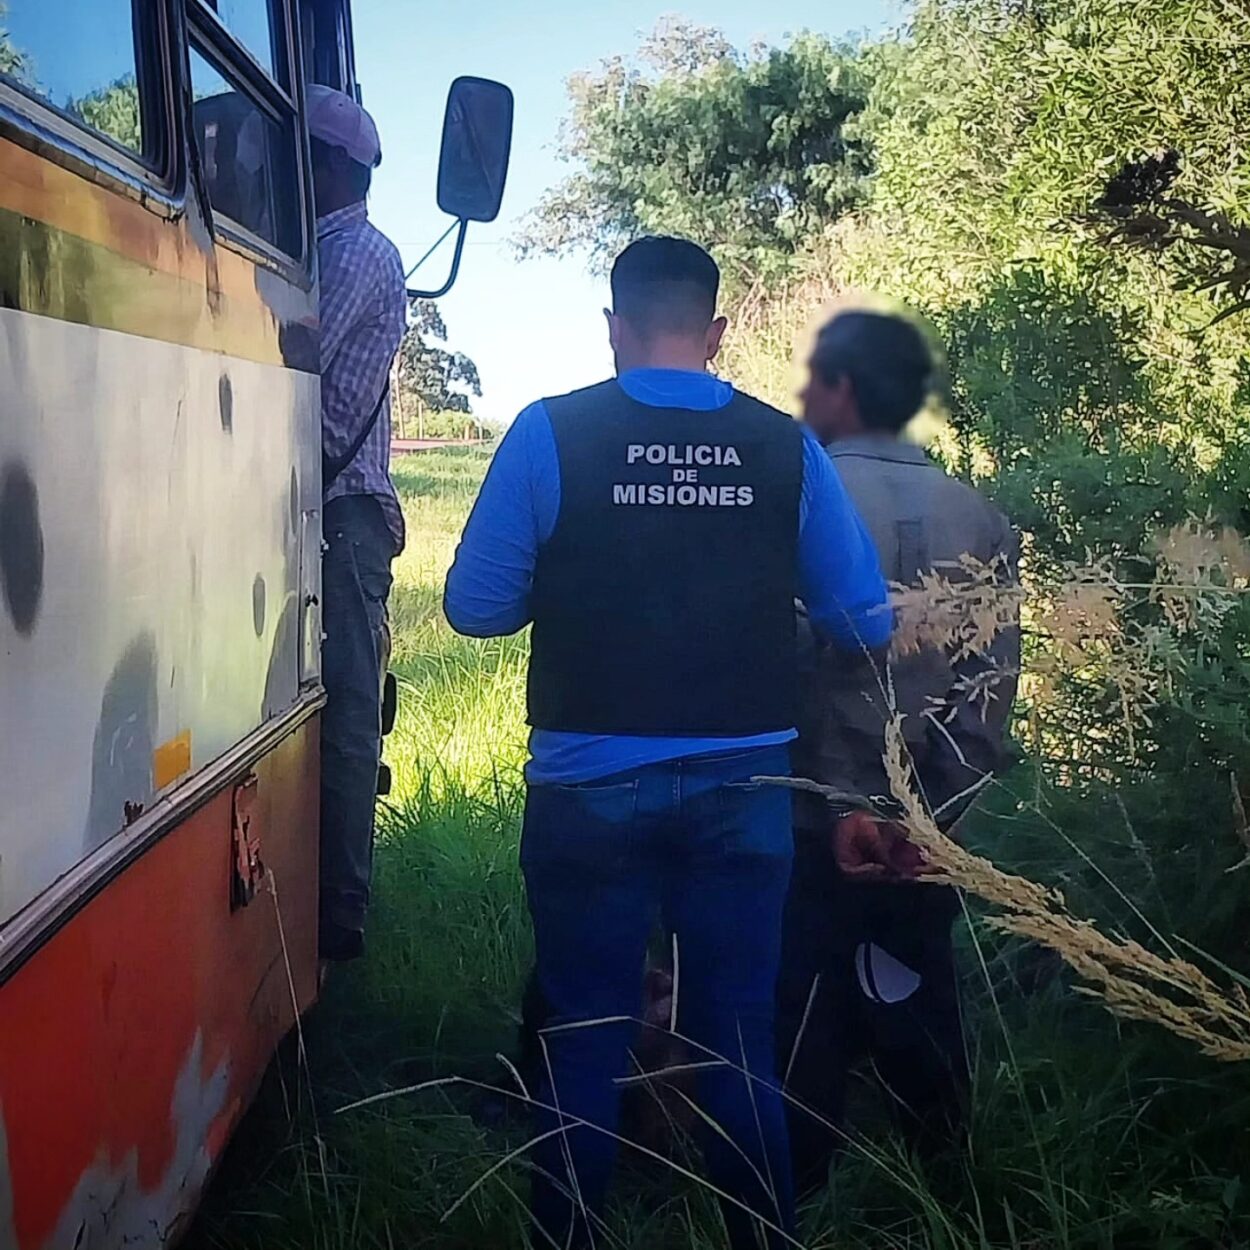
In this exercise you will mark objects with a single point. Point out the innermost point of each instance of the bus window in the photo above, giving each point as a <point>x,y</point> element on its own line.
<point>82,58</point>
<point>326,41</point>
<point>248,156</point>
<point>251,23</point>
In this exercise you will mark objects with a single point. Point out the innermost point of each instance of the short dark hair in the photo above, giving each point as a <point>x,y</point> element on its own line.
<point>887,359</point>
<point>359,176</point>
<point>663,285</point>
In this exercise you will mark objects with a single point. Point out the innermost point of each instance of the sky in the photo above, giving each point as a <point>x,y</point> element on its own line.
<point>533,327</point>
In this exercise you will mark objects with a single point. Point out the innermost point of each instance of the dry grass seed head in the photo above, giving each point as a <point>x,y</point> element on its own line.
<point>1132,981</point>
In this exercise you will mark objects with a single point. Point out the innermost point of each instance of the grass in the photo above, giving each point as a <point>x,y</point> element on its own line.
<point>1088,1133</point>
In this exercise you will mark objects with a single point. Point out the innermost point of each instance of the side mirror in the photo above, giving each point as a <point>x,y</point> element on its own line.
<point>477,140</point>
<point>472,164</point>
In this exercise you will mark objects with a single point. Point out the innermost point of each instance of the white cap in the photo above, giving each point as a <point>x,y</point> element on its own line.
<point>338,120</point>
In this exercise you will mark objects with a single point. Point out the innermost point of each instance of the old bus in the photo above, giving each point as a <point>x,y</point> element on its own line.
<point>159,576</point>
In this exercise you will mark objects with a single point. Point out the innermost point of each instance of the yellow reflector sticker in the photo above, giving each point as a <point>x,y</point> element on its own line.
<point>171,760</point>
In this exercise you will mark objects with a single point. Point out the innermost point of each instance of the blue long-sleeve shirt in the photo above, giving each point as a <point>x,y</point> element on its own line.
<point>488,587</point>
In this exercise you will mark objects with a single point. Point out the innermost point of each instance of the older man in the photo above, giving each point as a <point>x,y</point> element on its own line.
<point>363,311</point>
<point>868,969</point>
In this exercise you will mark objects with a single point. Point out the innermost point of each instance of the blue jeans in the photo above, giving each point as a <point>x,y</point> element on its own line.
<point>694,843</point>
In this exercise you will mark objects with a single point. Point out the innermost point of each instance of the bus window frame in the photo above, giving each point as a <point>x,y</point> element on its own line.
<point>156,180</point>
<point>315,15</point>
<point>209,37</point>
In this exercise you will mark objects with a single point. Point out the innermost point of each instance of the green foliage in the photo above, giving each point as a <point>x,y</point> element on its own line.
<point>998,121</point>
<point>1087,393</point>
<point>744,152</point>
<point>12,59</point>
<point>113,111</point>
<point>1052,390</point>
<point>430,375</point>
<point>1145,212</point>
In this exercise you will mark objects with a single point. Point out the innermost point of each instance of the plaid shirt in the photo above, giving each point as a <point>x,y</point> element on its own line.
<point>363,317</point>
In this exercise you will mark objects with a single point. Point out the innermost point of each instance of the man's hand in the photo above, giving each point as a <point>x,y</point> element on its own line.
<point>867,849</point>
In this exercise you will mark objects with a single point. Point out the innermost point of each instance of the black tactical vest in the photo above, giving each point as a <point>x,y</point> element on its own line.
<point>663,603</point>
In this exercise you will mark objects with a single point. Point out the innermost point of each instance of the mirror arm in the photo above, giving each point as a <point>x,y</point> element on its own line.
<point>455,265</point>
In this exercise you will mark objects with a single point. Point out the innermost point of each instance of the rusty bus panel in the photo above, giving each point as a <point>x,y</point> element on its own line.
<point>160,499</point>
<point>146,1022</point>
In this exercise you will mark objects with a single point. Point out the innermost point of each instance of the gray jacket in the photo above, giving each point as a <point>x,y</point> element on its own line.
<point>919,519</point>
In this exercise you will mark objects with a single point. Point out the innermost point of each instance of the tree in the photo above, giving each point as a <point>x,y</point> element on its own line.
<point>113,111</point>
<point>12,60</point>
<point>430,375</point>
<point>1142,211</point>
<point>747,153</point>
<point>996,128</point>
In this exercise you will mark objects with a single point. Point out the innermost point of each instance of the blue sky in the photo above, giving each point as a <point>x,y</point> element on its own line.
<point>533,327</point>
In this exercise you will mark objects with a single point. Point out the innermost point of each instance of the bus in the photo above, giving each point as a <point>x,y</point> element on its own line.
<point>160,546</point>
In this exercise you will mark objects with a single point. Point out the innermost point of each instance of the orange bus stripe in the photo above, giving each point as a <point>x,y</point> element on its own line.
<point>44,191</point>
<point>97,257</point>
<point>171,760</point>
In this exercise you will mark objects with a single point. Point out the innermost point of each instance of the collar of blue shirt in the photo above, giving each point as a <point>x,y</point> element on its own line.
<point>676,388</point>
<point>341,218</point>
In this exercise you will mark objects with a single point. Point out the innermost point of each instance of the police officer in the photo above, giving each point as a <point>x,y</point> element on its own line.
<point>868,967</point>
<point>656,529</point>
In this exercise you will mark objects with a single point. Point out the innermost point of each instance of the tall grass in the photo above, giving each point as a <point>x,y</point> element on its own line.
<point>1088,1133</point>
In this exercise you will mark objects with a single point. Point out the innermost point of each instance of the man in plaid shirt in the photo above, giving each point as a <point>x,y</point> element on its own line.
<point>363,310</point>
